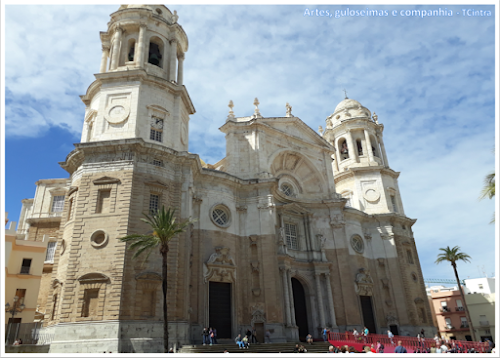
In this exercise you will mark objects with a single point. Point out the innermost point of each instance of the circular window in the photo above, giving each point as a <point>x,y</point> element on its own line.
<point>357,244</point>
<point>99,238</point>
<point>414,276</point>
<point>220,215</point>
<point>287,190</point>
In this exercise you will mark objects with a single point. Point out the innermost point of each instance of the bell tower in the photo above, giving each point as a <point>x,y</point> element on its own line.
<point>360,165</point>
<point>139,91</point>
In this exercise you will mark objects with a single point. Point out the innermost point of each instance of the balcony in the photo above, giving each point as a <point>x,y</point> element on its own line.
<point>459,309</point>
<point>464,325</point>
<point>445,309</point>
<point>45,217</point>
<point>484,323</point>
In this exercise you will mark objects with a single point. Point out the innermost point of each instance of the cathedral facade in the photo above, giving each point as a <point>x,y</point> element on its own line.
<point>295,230</point>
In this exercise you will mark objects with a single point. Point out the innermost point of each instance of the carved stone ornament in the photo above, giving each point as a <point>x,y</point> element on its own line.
<point>117,113</point>
<point>337,222</point>
<point>386,232</point>
<point>255,266</point>
<point>364,283</point>
<point>253,239</point>
<point>418,300</point>
<point>381,261</point>
<point>258,314</point>
<point>220,267</point>
<point>322,240</point>
<point>388,303</point>
<point>385,282</point>
<point>391,319</point>
<point>367,235</point>
<point>256,292</point>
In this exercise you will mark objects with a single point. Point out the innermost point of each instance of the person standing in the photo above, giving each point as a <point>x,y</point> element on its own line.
<point>400,348</point>
<point>355,334</point>
<point>325,334</point>
<point>365,334</point>
<point>205,334</point>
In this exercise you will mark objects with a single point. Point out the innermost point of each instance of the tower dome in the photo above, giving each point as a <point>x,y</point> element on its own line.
<point>347,104</point>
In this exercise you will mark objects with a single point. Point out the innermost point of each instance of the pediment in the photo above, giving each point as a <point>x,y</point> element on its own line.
<point>295,127</point>
<point>93,277</point>
<point>294,208</point>
<point>157,184</point>
<point>106,180</point>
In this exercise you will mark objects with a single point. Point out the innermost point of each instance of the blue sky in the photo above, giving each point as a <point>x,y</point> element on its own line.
<point>430,80</point>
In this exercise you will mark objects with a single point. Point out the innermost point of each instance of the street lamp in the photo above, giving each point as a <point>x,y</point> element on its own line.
<point>13,310</point>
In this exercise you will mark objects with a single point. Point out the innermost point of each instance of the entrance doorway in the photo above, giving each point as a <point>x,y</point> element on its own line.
<point>368,317</point>
<point>394,329</point>
<point>219,303</point>
<point>299,302</point>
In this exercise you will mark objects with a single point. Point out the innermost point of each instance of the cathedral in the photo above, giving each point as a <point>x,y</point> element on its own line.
<point>295,229</point>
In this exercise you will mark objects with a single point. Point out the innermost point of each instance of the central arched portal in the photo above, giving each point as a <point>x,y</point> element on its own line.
<point>299,302</point>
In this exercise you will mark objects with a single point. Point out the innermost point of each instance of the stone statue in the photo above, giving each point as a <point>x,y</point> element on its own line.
<point>329,124</point>
<point>320,130</point>
<point>175,17</point>
<point>288,110</point>
<point>363,276</point>
<point>375,117</point>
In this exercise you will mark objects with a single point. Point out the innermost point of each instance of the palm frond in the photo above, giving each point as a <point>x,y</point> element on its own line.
<point>452,255</point>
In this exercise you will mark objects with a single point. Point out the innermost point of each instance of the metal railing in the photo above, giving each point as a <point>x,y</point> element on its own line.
<point>412,344</point>
<point>484,323</point>
<point>459,309</point>
<point>30,333</point>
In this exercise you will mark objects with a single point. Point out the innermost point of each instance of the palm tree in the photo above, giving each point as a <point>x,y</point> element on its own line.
<point>453,255</point>
<point>489,189</point>
<point>165,228</point>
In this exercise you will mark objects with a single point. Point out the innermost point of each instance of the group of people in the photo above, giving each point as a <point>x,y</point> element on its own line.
<point>209,336</point>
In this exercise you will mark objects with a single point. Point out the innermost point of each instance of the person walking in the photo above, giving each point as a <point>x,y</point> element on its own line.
<point>391,336</point>
<point>365,334</point>
<point>400,348</point>
<point>254,335</point>
<point>268,337</point>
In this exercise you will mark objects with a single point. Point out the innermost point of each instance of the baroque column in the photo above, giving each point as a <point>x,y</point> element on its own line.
<point>368,146</point>
<point>353,150</point>
<point>382,147</point>
<point>117,44</point>
<point>330,300</point>
<point>319,294</point>
<point>173,59</point>
<point>141,46</point>
<point>290,294</point>
<point>287,300</point>
<point>180,70</point>
<point>104,59</point>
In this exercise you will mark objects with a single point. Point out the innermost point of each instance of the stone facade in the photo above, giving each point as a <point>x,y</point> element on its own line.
<point>289,240</point>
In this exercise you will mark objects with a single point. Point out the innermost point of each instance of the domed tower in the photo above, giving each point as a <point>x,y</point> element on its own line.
<point>360,165</point>
<point>139,91</point>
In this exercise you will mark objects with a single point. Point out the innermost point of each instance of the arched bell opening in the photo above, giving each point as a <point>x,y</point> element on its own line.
<point>131,50</point>
<point>343,149</point>
<point>375,147</point>
<point>359,146</point>
<point>155,52</point>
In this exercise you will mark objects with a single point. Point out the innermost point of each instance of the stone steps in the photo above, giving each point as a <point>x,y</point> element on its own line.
<point>317,347</point>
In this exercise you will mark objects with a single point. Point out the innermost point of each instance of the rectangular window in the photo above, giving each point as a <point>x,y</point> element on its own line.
<point>20,293</point>
<point>90,301</point>
<point>158,163</point>
<point>291,236</point>
<point>57,203</point>
<point>51,250</point>
<point>410,257</point>
<point>156,132</point>
<point>154,203</point>
<point>156,135</point>
<point>103,201</point>
<point>149,303</point>
<point>463,322</point>
<point>459,303</point>
<point>393,202</point>
<point>25,267</point>
<point>448,323</point>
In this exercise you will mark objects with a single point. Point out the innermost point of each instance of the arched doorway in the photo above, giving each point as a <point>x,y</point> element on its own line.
<point>299,302</point>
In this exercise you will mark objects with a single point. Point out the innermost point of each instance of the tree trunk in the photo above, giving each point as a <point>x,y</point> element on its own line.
<point>471,327</point>
<point>164,252</point>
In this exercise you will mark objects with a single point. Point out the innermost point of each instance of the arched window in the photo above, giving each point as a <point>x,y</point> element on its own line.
<point>287,190</point>
<point>156,52</point>
<point>374,146</point>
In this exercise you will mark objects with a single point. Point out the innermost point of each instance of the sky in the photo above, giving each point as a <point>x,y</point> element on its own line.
<point>430,80</point>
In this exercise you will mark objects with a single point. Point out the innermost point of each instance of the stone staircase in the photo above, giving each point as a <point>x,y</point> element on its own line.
<point>317,347</point>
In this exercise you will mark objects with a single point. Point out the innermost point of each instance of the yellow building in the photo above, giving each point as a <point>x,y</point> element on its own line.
<point>24,260</point>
